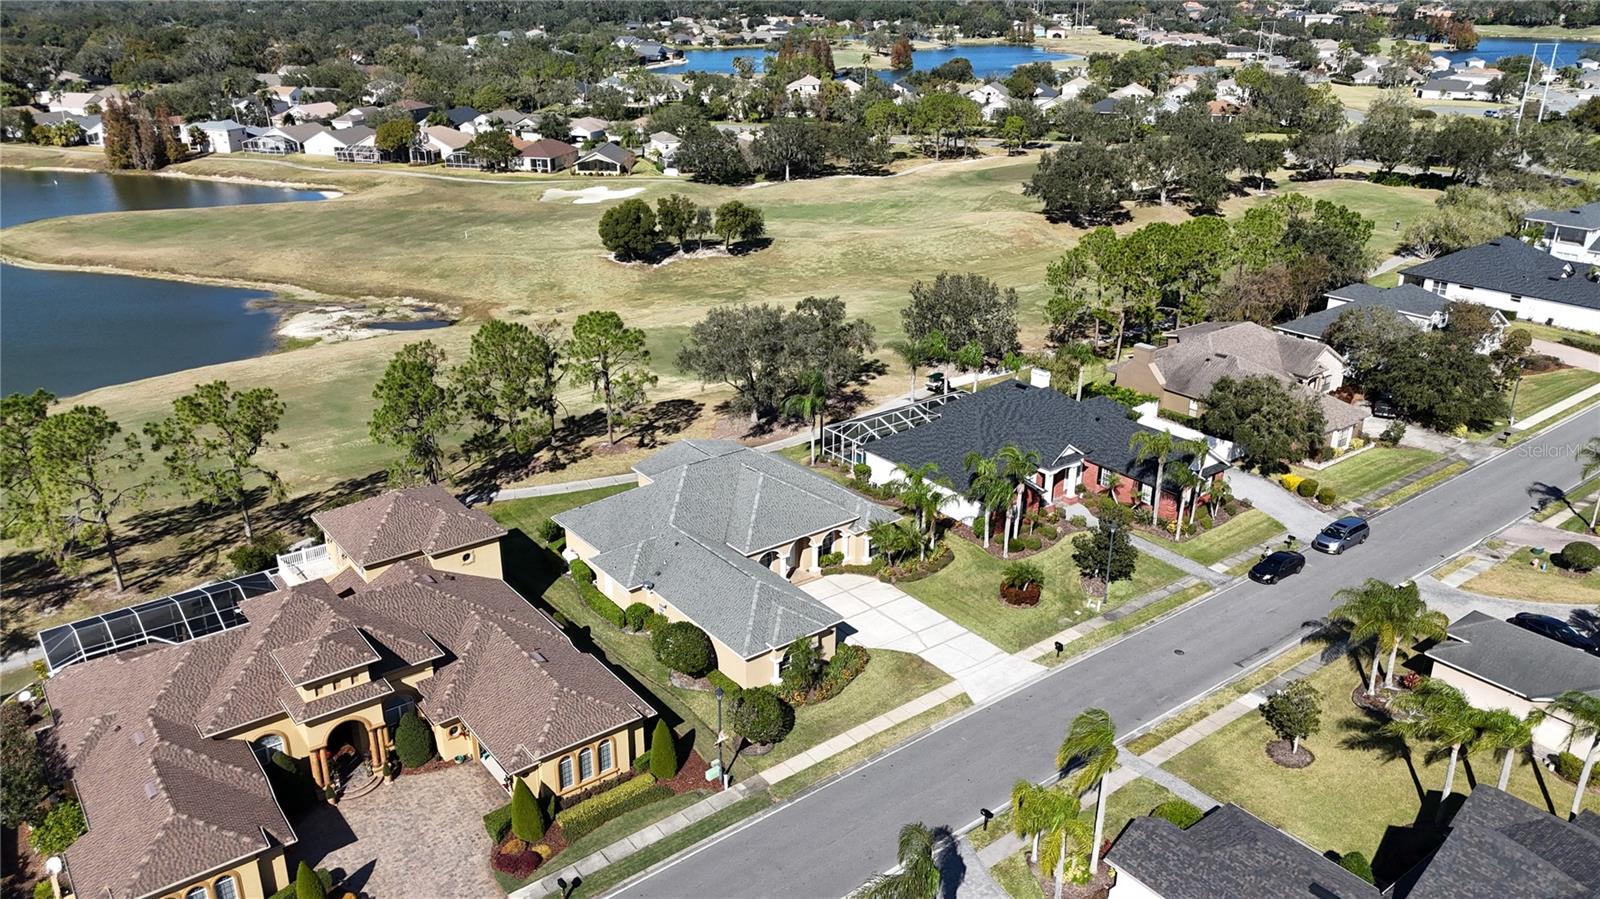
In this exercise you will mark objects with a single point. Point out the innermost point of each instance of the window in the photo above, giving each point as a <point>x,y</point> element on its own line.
<point>1439,287</point>
<point>196,893</point>
<point>565,769</point>
<point>585,764</point>
<point>224,887</point>
<point>605,756</point>
<point>1105,477</point>
<point>266,745</point>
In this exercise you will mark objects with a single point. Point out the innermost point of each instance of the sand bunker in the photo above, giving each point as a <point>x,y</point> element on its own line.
<point>590,194</point>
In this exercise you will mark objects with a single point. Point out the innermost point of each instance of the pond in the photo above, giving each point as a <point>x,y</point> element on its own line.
<point>1490,49</point>
<point>988,60</point>
<point>72,331</point>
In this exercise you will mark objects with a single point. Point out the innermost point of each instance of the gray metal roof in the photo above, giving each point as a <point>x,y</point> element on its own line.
<point>1509,265</point>
<point>711,504</point>
<point>1500,846</point>
<point>1229,853</point>
<point>1585,217</point>
<point>1516,659</point>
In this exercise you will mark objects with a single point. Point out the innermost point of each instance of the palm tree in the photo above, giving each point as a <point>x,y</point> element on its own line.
<point>1187,483</point>
<point>809,401</point>
<point>1056,816</point>
<point>1501,731</point>
<point>1092,741</point>
<point>1153,445</point>
<point>917,353</point>
<point>986,488</point>
<point>1016,466</point>
<point>1584,711</point>
<point>924,498</point>
<point>1391,614</point>
<point>1589,458</point>
<point>970,358</point>
<point>918,877</point>
<point>1081,355</point>
<point>1221,494</point>
<point>1436,713</point>
<point>894,538</point>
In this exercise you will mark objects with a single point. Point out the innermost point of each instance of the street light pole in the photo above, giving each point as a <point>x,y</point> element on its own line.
<point>722,773</point>
<point>1111,545</point>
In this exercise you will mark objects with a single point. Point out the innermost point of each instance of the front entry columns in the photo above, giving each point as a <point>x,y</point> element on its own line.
<point>319,767</point>
<point>375,750</point>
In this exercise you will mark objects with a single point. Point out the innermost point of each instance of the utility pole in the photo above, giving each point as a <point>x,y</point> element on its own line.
<point>1522,104</point>
<point>1549,77</point>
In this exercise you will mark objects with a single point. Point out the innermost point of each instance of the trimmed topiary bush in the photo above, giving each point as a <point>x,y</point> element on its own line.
<point>498,822</point>
<point>288,892</point>
<point>307,885</point>
<point>1326,496</point>
<point>684,648</point>
<point>1307,488</point>
<point>637,616</point>
<point>1579,556</point>
<point>581,819</point>
<point>1181,813</point>
<point>1357,864</point>
<point>1569,766</point>
<point>762,717</point>
<point>413,741</point>
<point>581,572</point>
<point>527,818</point>
<point>663,752</point>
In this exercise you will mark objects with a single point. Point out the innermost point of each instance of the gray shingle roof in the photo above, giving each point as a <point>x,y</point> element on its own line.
<point>710,504</point>
<point>1039,419</point>
<point>1516,659</point>
<point>1585,217</point>
<point>1229,853</point>
<point>1409,300</point>
<point>1507,264</point>
<point>1500,846</point>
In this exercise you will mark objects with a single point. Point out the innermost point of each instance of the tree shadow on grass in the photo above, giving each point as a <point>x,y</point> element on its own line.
<point>1364,733</point>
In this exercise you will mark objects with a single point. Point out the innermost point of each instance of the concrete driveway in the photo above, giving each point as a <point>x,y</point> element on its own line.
<point>882,616</point>
<point>1301,520</point>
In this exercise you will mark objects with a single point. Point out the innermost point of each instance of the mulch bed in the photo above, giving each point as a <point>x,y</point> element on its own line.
<point>1369,702</point>
<point>433,764</point>
<point>1097,888</point>
<point>685,682</point>
<point>1280,753</point>
<point>1026,596</point>
<point>1065,531</point>
<point>692,776</point>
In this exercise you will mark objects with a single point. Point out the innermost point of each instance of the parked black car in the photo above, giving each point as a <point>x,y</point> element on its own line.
<point>1277,566</point>
<point>1555,629</point>
<point>1339,536</point>
<point>1382,407</point>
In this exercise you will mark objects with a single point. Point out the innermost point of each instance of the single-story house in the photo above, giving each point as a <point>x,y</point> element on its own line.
<point>313,112</point>
<point>715,534</point>
<point>225,136</point>
<point>544,155</point>
<point>663,145</point>
<point>417,109</point>
<point>356,115</point>
<point>78,103</point>
<point>1182,373</point>
<point>1570,234</point>
<point>807,87</point>
<point>605,159</point>
<point>989,94</point>
<point>1515,278</point>
<point>1070,90</point>
<point>456,116</point>
<point>587,128</point>
<point>283,140</point>
<point>1083,447</point>
<point>288,94</point>
<point>357,143</point>
<point>506,119</point>
<point>1453,89</point>
<point>1501,666</point>
<point>439,142</point>
<point>1134,91</point>
<point>93,127</point>
<point>404,609</point>
<point>1425,309</point>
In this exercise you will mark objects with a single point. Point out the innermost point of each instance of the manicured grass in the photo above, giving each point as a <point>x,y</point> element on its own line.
<point>1579,523</point>
<point>621,826</point>
<point>1515,578</point>
<point>1573,495</point>
<point>1552,332</point>
<point>1133,799</point>
<point>1123,625</point>
<point>15,679</point>
<point>1243,531</point>
<point>1539,391</point>
<point>968,592</point>
<point>1540,32</point>
<point>1387,279</point>
<point>1419,485</point>
<point>1197,711</point>
<point>1369,470</point>
<point>1347,799</point>
<point>1452,566</point>
<point>1016,878</point>
<point>526,514</point>
<point>869,747</point>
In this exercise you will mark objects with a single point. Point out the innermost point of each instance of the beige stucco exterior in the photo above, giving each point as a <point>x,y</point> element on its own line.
<point>627,745</point>
<point>1551,735</point>
<point>256,877</point>
<point>482,560</point>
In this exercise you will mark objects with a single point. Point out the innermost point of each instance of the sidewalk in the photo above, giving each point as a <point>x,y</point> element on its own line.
<point>1181,562</point>
<point>1084,628</point>
<point>1228,714</point>
<point>1555,409</point>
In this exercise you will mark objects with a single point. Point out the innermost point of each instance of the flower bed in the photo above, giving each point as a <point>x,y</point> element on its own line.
<point>917,569</point>
<point>515,857</point>
<point>1022,596</point>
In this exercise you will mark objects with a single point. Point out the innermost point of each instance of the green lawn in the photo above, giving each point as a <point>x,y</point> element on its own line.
<point>1016,878</point>
<point>1538,391</point>
<point>1579,523</point>
<point>1515,578</point>
<point>1111,631</point>
<point>525,514</point>
<point>1348,798</point>
<point>1419,485</point>
<point>1370,469</point>
<point>968,592</point>
<point>1202,708</point>
<point>1240,533</point>
<point>1135,798</point>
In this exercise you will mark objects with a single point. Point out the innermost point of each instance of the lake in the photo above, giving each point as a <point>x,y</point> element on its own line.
<point>988,60</point>
<point>1490,49</point>
<point>73,331</point>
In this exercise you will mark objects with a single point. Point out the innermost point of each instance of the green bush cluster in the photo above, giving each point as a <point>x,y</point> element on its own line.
<point>663,752</point>
<point>871,569</point>
<point>1019,575</point>
<point>730,690</point>
<point>637,616</point>
<point>1326,496</point>
<point>1588,346</point>
<point>916,571</point>
<point>848,661</point>
<point>1569,766</point>
<point>860,472</point>
<point>1357,864</point>
<point>1180,812</point>
<point>260,554</point>
<point>1393,433</point>
<point>761,716</point>
<point>583,576</point>
<point>1307,488</point>
<point>321,874</point>
<point>1579,556</point>
<point>684,648</point>
<point>583,818</point>
<point>413,741</point>
<point>1046,531</point>
<point>498,822</point>
<point>549,532</point>
<point>828,560</point>
<point>61,826</point>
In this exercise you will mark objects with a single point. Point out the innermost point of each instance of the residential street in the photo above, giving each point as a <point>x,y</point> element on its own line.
<point>826,843</point>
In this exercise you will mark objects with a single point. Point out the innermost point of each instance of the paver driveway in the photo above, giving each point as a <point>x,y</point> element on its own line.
<point>420,837</point>
<point>884,616</point>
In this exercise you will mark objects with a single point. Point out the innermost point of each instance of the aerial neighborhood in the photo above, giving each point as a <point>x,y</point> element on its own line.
<point>1092,450</point>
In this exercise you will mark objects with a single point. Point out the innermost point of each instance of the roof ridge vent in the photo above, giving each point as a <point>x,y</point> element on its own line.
<point>150,791</point>
<point>137,737</point>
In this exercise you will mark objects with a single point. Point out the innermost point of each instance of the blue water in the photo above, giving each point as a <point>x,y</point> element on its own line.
<point>1490,49</point>
<point>988,60</point>
<point>71,331</point>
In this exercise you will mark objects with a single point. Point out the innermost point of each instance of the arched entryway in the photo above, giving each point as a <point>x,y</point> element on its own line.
<point>349,748</point>
<point>796,556</point>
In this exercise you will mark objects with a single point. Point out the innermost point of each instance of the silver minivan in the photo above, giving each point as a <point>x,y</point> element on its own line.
<point>1341,535</point>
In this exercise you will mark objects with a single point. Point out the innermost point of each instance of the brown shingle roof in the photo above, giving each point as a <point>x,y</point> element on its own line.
<point>1203,354</point>
<point>404,522</point>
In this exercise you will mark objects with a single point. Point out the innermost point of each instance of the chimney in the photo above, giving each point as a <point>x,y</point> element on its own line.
<point>1143,354</point>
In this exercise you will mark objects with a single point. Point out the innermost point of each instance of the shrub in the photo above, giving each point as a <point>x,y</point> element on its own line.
<point>581,819</point>
<point>581,572</point>
<point>730,690</point>
<point>43,890</point>
<point>549,531</point>
<point>258,555</point>
<point>684,648</point>
<point>848,661</point>
<point>498,822</point>
<point>828,560</point>
<point>1579,556</point>
<point>1357,864</point>
<point>1357,443</point>
<point>527,819</point>
<point>1569,766</point>
<point>515,858</point>
<point>1291,482</point>
<point>1078,521</point>
<point>657,622</point>
<point>861,472</point>
<point>1307,488</point>
<point>1393,433</point>
<point>594,599</point>
<point>288,892</point>
<point>802,666</point>
<point>1181,813</point>
<point>1027,541</point>
<point>1046,531</point>
<point>1022,574</point>
<point>761,716</point>
<point>637,616</point>
<point>1326,496</point>
<point>413,741</point>
<point>307,885</point>
<point>1410,680</point>
<point>1589,346</point>
<point>1202,519</point>
<point>663,752</point>
<point>62,824</point>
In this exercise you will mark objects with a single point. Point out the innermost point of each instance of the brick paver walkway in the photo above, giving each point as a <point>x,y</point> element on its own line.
<point>421,836</point>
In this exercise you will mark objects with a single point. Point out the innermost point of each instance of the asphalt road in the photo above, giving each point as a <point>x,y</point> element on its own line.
<point>827,842</point>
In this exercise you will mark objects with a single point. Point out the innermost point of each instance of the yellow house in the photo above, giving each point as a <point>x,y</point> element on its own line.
<point>717,534</point>
<point>405,610</point>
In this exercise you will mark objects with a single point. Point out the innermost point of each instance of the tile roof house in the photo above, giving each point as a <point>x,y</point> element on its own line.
<point>1182,373</point>
<point>1422,308</point>
<point>1517,279</point>
<point>1571,234</point>
<point>1081,445</point>
<point>1498,665</point>
<point>715,533</point>
<point>166,742</point>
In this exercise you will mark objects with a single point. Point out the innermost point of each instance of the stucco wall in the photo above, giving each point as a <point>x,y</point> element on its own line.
<point>1129,887</point>
<point>1550,736</point>
<point>627,744</point>
<point>255,878</point>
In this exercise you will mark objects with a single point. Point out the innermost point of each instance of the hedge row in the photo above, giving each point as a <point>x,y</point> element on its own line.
<point>498,822</point>
<point>583,575</point>
<point>583,818</point>
<point>730,690</point>
<point>942,557</point>
<point>1579,343</point>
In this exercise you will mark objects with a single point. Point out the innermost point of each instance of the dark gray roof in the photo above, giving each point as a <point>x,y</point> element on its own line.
<point>457,115</point>
<point>1515,659</point>
<point>1408,299</point>
<point>1509,265</point>
<point>1500,846</point>
<point>1586,217</point>
<point>1229,853</point>
<point>1451,86</point>
<point>1039,419</point>
<point>611,153</point>
<point>709,505</point>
